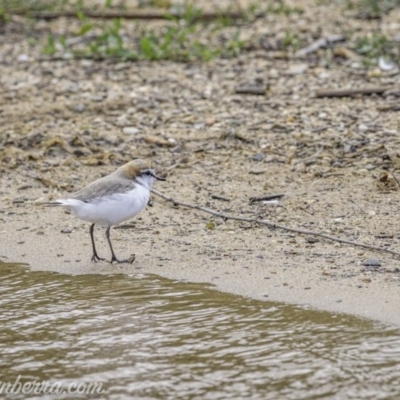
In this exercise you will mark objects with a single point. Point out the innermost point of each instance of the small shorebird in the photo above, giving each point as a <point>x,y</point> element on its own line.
<point>112,199</point>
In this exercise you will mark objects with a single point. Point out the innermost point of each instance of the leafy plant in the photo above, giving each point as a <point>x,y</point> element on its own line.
<point>375,45</point>
<point>182,38</point>
<point>373,8</point>
<point>50,47</point>
<point>235,45</point>
<point>280,7</point>
<point>291,41</point>
<point>372,46</point>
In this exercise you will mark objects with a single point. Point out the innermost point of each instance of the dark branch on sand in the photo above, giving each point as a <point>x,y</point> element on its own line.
<point>137,14</point>
<point>273,225</point>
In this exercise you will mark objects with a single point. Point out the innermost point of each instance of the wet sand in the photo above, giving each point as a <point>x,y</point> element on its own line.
<point>246,262</point>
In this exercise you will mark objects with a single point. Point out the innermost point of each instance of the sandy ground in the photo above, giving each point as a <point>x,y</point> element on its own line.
<point>65,123</point>
<point>238,258</point>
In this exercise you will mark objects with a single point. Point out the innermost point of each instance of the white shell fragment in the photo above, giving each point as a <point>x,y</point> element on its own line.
<point>385,64</point>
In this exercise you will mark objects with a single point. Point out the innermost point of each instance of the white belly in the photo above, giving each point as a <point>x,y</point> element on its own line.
<point>113,209</point>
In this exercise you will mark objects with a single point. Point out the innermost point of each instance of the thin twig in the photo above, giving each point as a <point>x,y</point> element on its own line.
<point>350,92</point>
<point>251,89</point>
<point>219,197</point>
<point>273,224</point>
<point>318,44</point>
<point>137,14</point>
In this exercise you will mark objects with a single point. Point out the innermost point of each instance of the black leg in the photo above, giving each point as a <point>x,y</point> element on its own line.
<point>95,256</point>
<point>113,256</point>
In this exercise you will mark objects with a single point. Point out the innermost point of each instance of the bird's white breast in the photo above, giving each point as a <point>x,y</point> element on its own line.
<point>112,209</point>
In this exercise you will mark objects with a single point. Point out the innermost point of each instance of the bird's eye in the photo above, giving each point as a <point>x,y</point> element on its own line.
<point>148,173</point>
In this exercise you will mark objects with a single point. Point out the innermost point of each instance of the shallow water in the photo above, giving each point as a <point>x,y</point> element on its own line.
<point>145,337</point>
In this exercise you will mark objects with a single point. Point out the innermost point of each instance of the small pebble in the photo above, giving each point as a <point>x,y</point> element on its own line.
<point>23,58</point>
<point>199,126</point>
<point>297,69</point>
<point>66,230</point>
<point>130,130</point>
<point>79,108</point>
<point>258,157</point>
<point>362,128</point>
<point>97,99</point>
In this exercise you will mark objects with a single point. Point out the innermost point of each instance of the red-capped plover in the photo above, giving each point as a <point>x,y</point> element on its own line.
<point>113,199</point>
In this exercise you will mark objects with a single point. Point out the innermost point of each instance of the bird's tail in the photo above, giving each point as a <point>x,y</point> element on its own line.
<point>69,203</point>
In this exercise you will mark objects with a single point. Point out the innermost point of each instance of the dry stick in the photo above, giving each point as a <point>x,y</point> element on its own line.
<point>251,89</point>
<point>219,197</point>
<point>273,225</point>
<point>350,92</point>
<point>318,44</point>
<point>145,14</point>
<point>265,198</point>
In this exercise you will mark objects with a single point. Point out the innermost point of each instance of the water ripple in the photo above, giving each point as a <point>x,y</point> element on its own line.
<point>146,337</point>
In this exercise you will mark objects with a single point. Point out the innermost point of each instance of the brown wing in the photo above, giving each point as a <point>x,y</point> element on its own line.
<point>103,187</point>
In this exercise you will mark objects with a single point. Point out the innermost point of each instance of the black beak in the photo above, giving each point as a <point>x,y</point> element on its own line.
<point>159,178</point>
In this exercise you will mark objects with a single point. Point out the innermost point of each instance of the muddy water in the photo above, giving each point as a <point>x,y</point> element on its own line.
<point>144,337</point>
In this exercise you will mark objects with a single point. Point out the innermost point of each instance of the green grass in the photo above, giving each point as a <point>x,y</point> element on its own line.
<point>374,45</point>
<point>108,44</point>
<point>180,39</point>
<point>291,41</point>
<point>280,7</point>
<point>372,8</point>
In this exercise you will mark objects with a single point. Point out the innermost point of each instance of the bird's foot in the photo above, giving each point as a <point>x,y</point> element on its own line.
<point>96,258</point>
<point>129,260</point>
